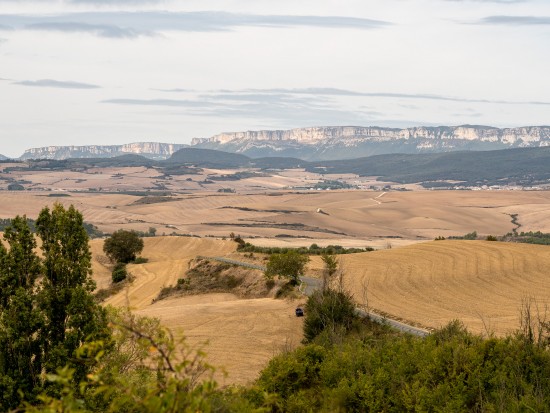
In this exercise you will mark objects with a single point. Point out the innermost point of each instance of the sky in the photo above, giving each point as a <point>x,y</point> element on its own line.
<point>103,72</point>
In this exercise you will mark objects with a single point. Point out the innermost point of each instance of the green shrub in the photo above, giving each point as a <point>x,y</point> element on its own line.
<point>328,310</point>
<point>119,273</point>
<point>471,235</point>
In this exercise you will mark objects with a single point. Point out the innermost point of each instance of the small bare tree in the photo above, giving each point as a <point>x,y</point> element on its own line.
<point>534,324</point>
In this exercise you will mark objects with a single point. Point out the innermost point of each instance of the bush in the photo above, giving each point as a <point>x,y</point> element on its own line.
<point>471,236</point>
<point>119,273</point>
<point>16,187</point>
<point>328,310</point>
<point>491,238</point>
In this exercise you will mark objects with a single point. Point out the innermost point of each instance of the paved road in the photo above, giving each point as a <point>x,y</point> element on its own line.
<point>309,285</point>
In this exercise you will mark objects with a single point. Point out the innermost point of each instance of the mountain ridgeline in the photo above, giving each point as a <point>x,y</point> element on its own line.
<point>153,150</point>
<point>347,142</point>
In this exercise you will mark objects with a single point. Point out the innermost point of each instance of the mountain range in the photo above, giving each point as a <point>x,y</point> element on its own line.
<point>323,143</point>
<point>346,142</point>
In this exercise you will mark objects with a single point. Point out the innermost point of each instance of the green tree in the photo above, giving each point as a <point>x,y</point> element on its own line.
<point>331,266</point>
<point>290,265</point>
<point>46,307</point>
<point>20,320</point>
<point>71,314</point>
<point>123,246</point>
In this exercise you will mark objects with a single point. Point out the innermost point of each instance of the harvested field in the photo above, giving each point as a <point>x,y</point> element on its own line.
<point>168,260</point>
<point>242,335</point>
<point>360,217</point>
<point>478,282</point>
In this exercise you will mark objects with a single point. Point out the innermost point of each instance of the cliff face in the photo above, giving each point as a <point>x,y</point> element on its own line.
<point>321,143</point>
<point>152,150</point>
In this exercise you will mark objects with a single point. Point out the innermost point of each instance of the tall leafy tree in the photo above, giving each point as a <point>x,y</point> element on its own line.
<point>69,309</point>
<point>47,310</point>
<point>20,320</point>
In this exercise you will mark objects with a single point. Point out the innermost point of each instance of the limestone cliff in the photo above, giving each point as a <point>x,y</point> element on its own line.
<point>154,150</point>
<point>340,142</point>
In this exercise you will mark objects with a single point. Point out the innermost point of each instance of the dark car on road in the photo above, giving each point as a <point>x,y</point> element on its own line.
<point>299,312</point>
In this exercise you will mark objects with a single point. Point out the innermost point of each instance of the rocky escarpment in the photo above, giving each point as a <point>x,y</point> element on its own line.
<point>153,150</point>
<point>341,142</point>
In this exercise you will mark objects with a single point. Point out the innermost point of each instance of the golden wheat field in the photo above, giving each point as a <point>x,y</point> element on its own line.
<point>480,283</point>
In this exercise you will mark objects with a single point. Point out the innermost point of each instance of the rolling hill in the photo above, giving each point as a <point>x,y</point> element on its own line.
<point>478,282</point>
<point>522,166</point>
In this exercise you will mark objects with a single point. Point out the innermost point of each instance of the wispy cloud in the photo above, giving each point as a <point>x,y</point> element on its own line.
<point>275,109</point>
<point>516,20</point>
<point>351,93</point>
<point>133,24</point>
<point>97,29</point>
<point>62,84</point>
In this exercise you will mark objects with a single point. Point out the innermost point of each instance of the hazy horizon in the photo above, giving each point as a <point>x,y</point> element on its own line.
<point>84,72</point>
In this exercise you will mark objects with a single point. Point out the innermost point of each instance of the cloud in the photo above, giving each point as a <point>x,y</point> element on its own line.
<point>516,20</point>
<point>133,24</point>
<point>280,109</point>
<point>344,92</point>
<point>293,107</point>
<point>161,102</point>
<point>57,84</point>
<point>97,29</point>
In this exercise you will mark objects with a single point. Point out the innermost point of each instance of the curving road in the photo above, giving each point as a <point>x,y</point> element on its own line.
<point>309,285</point>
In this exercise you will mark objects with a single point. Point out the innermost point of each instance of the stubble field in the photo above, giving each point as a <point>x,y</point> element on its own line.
<point>239,336</point>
